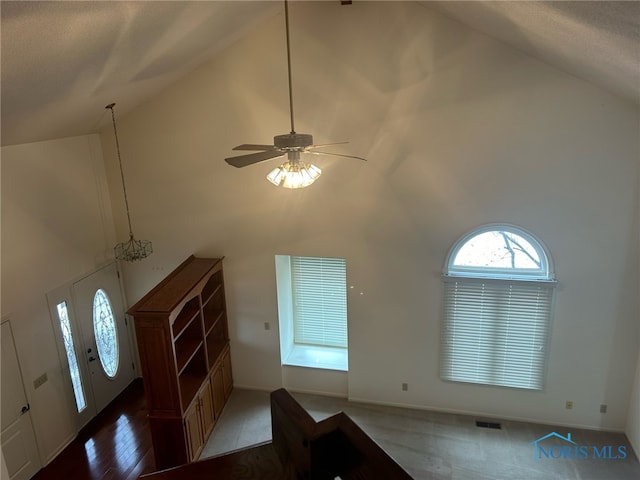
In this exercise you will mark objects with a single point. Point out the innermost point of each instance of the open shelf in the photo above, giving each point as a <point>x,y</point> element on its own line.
<point>187,345</point>
<point>185,317</point>
<point>216,342</point>
<point>192,376</point>
<point>210,325</point>
<point>185,352</point>
<point>212,287</point>
<point>213,310</point>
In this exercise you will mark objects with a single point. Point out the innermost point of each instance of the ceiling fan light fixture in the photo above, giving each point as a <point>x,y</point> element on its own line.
<point>294,174</point>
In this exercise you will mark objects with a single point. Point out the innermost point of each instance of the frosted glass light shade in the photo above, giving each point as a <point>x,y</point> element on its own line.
<point>294,174</point>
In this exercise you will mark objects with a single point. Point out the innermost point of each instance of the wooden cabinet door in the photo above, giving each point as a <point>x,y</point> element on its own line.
<point>218,390</point>
<point>207,412</point>
<point>193,431</point>
<point>227,378</point>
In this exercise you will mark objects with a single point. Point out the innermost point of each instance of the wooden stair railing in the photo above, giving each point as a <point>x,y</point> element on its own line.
<point>301,449</point>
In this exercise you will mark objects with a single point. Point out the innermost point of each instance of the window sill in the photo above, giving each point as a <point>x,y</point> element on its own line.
<point>310,356</point>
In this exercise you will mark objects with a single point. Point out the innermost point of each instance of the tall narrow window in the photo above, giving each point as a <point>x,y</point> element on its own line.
<point>67,338</point>
<point>498,288</point>
<point>319,301</point>
<point>104,327</point>
<point>312,306</point>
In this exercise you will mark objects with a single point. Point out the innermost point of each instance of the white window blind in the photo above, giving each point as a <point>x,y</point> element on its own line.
<point>319,293</point>
<point>494,332</point>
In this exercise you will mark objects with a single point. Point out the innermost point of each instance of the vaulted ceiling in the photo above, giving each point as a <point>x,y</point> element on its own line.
<point>63,61</point>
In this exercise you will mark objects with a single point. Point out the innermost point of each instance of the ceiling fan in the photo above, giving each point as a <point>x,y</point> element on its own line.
<point>294,173</point>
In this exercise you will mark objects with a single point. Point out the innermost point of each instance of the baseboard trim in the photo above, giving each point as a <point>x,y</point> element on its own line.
<point>65,443</point>
<point>484,415</point>
<point>294,390</point>
<point>253,387</point>
<point>473,413</point>
<point>314,392</point>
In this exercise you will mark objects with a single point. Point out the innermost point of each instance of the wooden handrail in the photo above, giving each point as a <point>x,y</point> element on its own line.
<point>333,447</point>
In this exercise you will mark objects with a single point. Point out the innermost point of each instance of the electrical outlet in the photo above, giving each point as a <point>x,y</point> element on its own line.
<point>568,405</point>
<point>603,408</point>
<point>40,380</point>
<point>405,387</point>
<point>267,326</point>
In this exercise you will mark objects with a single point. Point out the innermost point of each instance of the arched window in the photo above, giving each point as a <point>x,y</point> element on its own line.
<point>497,308</point>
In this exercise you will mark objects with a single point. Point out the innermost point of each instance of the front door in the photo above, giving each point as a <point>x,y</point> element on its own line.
<point>105,334</point>
<point>94,342</point>
<point>18,439</point>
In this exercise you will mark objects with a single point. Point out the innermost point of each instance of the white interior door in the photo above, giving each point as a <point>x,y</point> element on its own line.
<point>19,446</point>
<point>105,339</point>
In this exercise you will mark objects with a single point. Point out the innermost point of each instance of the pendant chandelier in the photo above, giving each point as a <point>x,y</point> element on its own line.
<point>131,250</point>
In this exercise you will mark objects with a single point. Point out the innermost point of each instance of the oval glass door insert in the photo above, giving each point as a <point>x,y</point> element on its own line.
<point>106,333</point>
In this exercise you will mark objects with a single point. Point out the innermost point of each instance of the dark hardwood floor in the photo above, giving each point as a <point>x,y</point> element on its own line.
<point>116,445</point>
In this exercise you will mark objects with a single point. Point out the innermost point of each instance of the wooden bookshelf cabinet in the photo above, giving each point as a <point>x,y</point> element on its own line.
<point>183,342</point>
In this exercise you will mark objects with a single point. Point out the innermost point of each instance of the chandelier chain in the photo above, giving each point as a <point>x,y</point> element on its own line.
<point>131,250</point>
<point>124,188</point>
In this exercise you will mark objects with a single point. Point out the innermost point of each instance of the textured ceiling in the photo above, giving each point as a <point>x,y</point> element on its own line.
<point>596,41</point>
<point>64,61</point>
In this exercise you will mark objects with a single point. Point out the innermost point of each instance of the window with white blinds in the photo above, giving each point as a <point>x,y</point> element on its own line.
<point>498,290</point>
<point>495,333</point>
<point>319,294</point>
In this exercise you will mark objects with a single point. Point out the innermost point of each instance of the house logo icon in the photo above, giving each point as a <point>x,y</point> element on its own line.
<point>538,449</point>
<point>556,446</point>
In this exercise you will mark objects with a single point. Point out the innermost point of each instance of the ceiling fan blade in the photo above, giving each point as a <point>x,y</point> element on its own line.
<point>246,160</point>
<point>337,155</point>
<point>253,146</point>
<point>325,145</point>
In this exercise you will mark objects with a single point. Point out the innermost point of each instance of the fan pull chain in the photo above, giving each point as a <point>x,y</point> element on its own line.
<point>286,19</point>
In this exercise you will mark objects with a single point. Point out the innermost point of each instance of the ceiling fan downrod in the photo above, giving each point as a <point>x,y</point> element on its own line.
<point>293,141</point>
<point>294,173</point>
<point>286,20</point>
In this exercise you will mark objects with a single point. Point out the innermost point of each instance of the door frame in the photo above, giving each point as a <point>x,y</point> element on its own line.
<point>6,319</point>
<point>107,279</point>
<point>66,292</point>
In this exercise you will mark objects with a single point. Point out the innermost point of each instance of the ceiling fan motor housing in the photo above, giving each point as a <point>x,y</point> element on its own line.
<point>293,141</point>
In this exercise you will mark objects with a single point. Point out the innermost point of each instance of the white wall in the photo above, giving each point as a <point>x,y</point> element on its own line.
<point>633,420</point>
<point>4,473</point>
<point>459,131</point>
<point>56,225</point>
